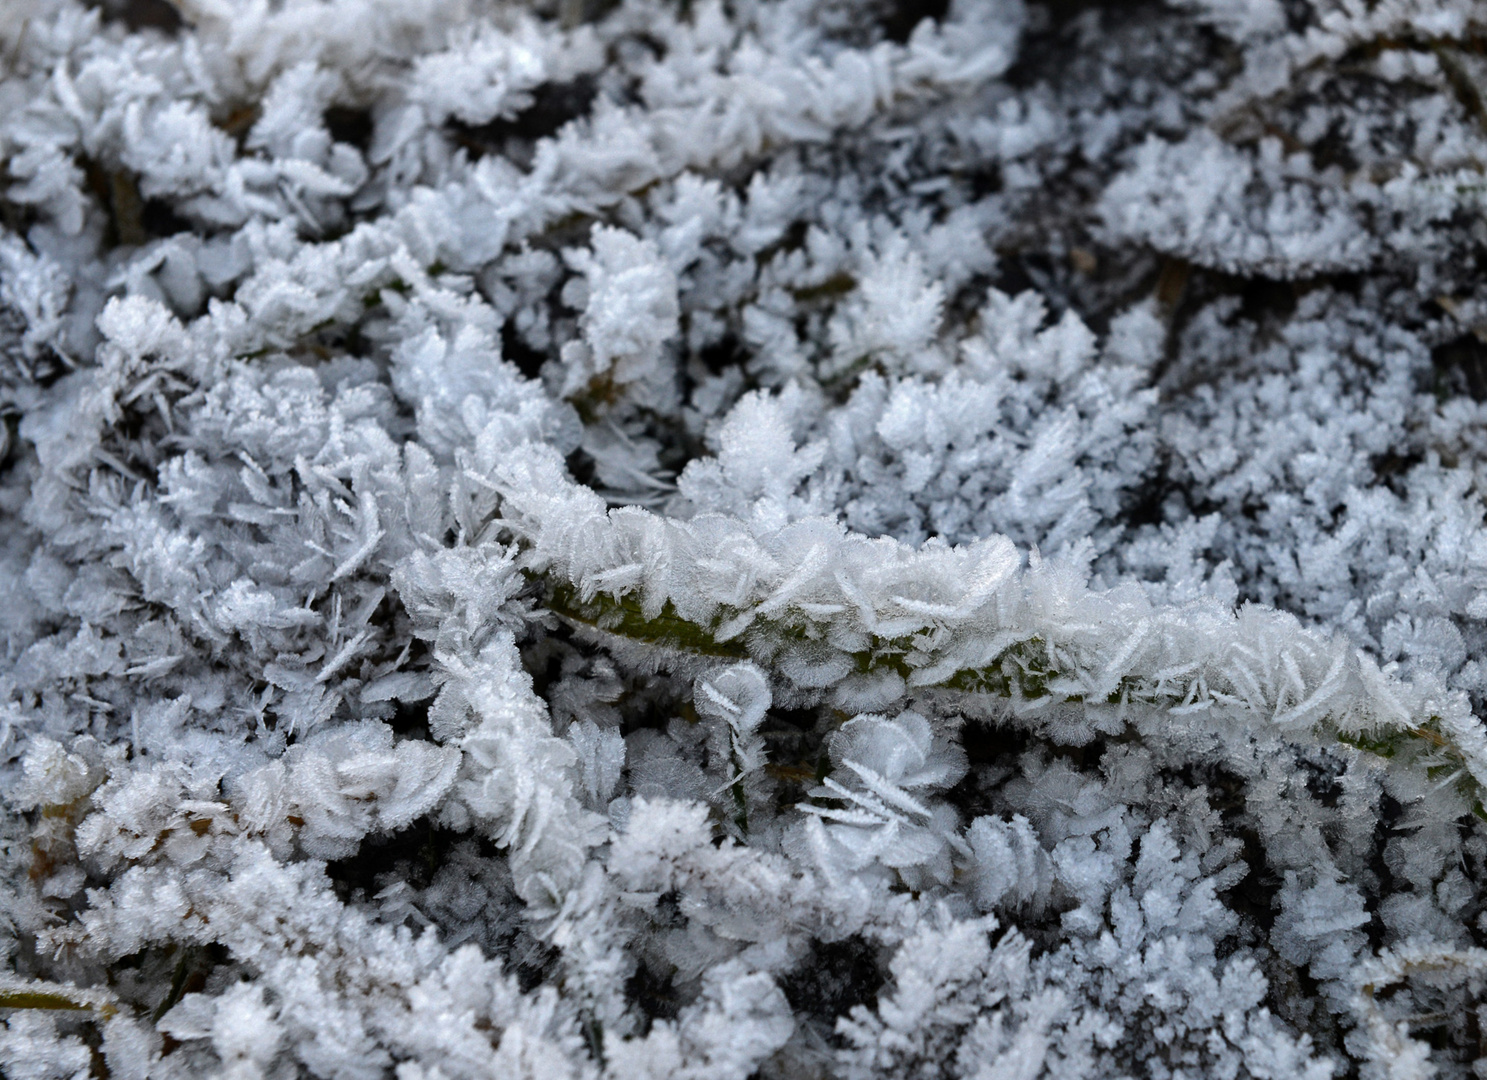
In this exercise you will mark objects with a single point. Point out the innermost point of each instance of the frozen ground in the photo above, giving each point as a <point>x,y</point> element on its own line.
<point>774,538</point>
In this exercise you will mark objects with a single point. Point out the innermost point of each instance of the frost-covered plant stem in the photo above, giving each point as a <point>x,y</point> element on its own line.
<point>863,623</point>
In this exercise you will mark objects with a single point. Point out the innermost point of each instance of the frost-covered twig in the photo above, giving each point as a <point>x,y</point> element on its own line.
<point>862,623</point>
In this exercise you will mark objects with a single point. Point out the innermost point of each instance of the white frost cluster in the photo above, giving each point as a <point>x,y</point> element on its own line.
<point>663,539</point>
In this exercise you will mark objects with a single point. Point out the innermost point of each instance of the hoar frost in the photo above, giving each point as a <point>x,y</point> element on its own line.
<point>778,538</point>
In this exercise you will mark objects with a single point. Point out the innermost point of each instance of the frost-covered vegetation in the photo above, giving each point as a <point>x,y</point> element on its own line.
<point>780,538</point>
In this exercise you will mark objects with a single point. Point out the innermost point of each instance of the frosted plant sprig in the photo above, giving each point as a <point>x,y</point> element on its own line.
<point>863,622</point>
